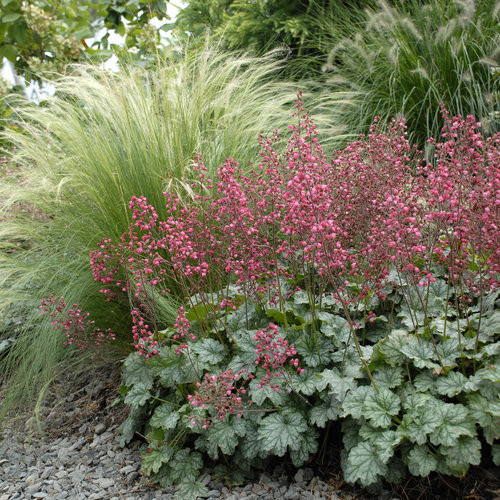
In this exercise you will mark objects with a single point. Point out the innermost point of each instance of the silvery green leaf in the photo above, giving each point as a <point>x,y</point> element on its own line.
<point>384,440</point>
<point>495,453</point>
<point>251,446</point>
<point>438,288</point>
<point>137,396</point>
<point>388,376</point>
<point>314,350</point>
<point>258,396</point>
<point>412,318</point>
<point>491,372</point>
<point>490,325</point>
<point>305,383</point>
<point>364,465</point>
<point>455,422</point>
<point>338,384</point>
<point>135,371</point>
<point>426,381</point>
<point>186,465</point>
<point>392,347</point>
<point>336,327</point>
<point>224,433</point>
<point>154,457</point>
<point>418,423</point>
<point>449,351</point>
<point>301,297</point>
<point>167,366</point>
<point>421,462</point>
<point>191,490</point>
<point>350,433</point>
<point>417,400</point>
<point>355,400</point>
<point>134,421</point>
<point>466,451</point>
<point>210,351</point>
<point>278,432</point>
<point>326,411</point>
<point>420,351</point>
<point>453,383</point>
<point>165,417</point>
<point>307,446</point>
<point>380,406</point>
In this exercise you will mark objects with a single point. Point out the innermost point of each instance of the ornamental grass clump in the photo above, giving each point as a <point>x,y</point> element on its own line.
<point>410,57</point>
<point>360,290</point>
<point>102,139</point>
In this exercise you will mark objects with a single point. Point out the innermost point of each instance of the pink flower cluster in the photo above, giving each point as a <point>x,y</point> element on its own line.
<point>272,352</point>
<point>373,207</point>
<point>220,393</point>
<point>75,324</point>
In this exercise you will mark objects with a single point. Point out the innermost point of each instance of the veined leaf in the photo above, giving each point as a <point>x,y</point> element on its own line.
<point>155,457</point>
<point>137,396</point>
<point>380,406</point>
<point>135,371</point>
<point>167,366</point>
<point>364,465</point>
<point>258,396</point>
<point>306,383</point>
<point>133,422</point>
<point>384,440</point>
<point>314,350</point>
<point>165,417</point>
<point>426,381</point>
<point>449,351</point>
<point>391,348</point>
<point>326,411</point>
<point>466,451</point>
<point>421,462</point>
<point>453,383</point>
<point>350,433</point>
<point>209,351</point>
<point>224,433</point>
<point>455,422</point>
<point>339,384</point>
<point>307,446</point>
<point>388,376</point>
<point>420,351</point>
<point>355,400</point>
<point>186,465</point>
<point>336,327</point>
<point>191,490</point>
<point>277,432</point>
<point>418,423</point>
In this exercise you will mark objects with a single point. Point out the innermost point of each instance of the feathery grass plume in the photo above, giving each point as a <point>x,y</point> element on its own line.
<point>411,57</point>
<point>103,139</point>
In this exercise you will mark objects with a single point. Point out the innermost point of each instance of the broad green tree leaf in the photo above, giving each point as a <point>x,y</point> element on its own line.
<point>165,417</point>
<point>210,351</point>
<point>380,406</point>
<point>277,432</point>
<point>364,465</point>
<point>421,462</point>
<point>154,457</point>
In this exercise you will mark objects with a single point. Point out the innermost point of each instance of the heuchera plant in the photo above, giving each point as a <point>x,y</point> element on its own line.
<point>360,289</point>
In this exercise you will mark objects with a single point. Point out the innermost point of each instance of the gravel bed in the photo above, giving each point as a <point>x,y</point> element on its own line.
<point>76,455</point>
